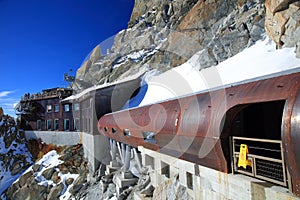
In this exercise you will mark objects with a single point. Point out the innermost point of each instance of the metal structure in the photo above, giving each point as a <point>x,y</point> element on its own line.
<point>198,128</point>
<point>91,104</point>
<point>266,156</point>
<point>45,111</point>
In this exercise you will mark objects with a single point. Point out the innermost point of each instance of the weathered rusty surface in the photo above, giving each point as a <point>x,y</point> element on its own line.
<point>291,142</point>
<point>191,128</point>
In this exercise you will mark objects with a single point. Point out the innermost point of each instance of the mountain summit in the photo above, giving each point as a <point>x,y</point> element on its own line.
<point>163,34</point>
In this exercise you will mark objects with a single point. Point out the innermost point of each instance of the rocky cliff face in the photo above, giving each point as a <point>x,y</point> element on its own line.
<point>1,112</point>
<point>14,155</point>
<point>54,176</point>
<point>142,45</point>
<point>283,23</point>
<point>163,34</point>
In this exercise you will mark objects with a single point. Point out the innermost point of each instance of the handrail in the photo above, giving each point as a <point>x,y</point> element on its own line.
<point>43,95</point>
<point>276,172</point>
<point>254,147</point>
<point>257,139</point>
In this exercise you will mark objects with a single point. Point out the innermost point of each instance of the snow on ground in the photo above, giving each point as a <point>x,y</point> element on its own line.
<point>65,193</point>
<point>8,155</point>
<point>48,161</point>
<point>258,60</point>
<point>51,160</point>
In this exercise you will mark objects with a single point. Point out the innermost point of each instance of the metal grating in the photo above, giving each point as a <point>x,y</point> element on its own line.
<point>269,169</point>
<point>266,157</point>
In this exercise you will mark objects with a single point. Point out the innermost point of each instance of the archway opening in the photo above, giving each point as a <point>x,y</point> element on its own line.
<point>255,129</point>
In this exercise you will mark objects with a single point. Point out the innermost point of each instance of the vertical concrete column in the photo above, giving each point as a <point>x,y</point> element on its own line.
<point>127,158</point>
<point>138,160</point>
<point>113,150</point>
<point>96,150</point>
<point>119,150</point>
<point>123,152</point>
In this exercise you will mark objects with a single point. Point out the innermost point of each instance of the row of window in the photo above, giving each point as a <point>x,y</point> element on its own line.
<point>55,124</point>
<point>166,170</point>
<point>66,107</point>
<point>148,136</point>
<point>56,108</point>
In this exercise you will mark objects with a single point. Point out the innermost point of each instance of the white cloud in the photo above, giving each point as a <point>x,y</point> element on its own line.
<point>15,104</point>
<point>5,93</point>
<point>7,101</point>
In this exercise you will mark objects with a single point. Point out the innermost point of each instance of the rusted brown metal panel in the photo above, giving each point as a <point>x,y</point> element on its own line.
<point>191,127</point>
<point>291,142</point>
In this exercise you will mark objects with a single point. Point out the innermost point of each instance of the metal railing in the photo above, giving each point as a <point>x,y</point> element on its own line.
<point>53,93</point>
<point>266,159</point>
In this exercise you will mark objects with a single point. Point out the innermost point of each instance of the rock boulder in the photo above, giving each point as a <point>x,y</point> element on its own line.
<point>283,23</point>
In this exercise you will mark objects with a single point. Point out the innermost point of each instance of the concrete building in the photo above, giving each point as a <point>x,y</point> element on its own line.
<point>91,104</point>
<point>46,112</point>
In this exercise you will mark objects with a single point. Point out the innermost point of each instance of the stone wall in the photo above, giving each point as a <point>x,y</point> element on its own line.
<point>59,138</point>
<point>190,181</point>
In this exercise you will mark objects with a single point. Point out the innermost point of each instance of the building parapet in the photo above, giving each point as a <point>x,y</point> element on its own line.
<point>48,93</point>
<point>60,138</point>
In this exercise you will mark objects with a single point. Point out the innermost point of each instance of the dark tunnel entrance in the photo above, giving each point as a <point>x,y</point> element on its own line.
<point>257,127</point>
<point>258,120</point>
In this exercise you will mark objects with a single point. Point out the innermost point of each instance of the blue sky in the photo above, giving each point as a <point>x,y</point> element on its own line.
<point>40,40</point>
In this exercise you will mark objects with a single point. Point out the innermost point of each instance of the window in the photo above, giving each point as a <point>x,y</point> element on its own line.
<point>76,124</point>
<point>90,126</point>
<point>56,108</point>
<point>66,124</point>
<point>56,124</point>
<point>49,124</point>
<point>85,124</point>
<point>91,103</point>
<point>49,108</point>
<point>126,132</point>
<point>66,107</point>
<point>189,180</point>
<point>39,125</point>
<point>149,137</point>
<point>149,161</point>
<point>165,169</point>
<point>76,106</point>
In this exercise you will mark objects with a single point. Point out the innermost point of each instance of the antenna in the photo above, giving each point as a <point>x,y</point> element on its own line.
<point>69,78</point>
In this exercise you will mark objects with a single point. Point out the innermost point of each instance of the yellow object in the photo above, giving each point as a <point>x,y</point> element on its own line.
<point>243,161</point>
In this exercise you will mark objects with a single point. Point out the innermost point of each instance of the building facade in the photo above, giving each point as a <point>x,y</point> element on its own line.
<point>91,104</point>
<point>46,112</point>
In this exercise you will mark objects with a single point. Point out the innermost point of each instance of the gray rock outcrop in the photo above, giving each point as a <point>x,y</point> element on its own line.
<point>28,186</point>
<point>163,34</point>
<point>14,156</point>
<point>171,189</point>
<point>283,23</point>
<point>1,113</point>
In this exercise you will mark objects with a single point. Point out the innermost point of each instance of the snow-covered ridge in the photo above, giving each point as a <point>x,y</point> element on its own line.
<point>261,59</point>
<point>258,60</point>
